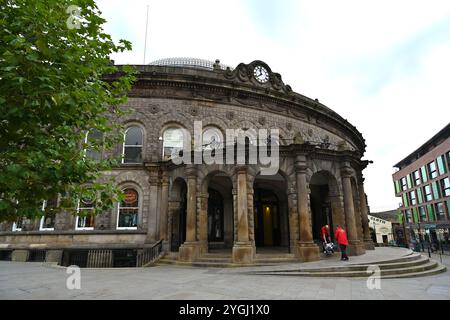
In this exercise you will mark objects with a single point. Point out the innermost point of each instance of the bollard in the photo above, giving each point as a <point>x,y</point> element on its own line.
<point>429,252</point>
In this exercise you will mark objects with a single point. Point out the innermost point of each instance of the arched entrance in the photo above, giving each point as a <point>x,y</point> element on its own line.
<point>219,210</point>
<point>325,203</point>
<point>270,213</point>
<point>178,206</point>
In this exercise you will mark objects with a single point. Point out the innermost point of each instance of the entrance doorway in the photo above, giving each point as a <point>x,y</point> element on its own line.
<point>215,216</point>
<point>179,200</point>
<point>267,226</point>
<point>270,214</point>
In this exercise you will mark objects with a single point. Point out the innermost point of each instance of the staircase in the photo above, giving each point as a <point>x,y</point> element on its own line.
<point>413,265</point>
<point>223,260</point>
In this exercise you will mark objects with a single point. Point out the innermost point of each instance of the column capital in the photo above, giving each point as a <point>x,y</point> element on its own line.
<point>164,179</point>
<point>346,170</point>
<point>300,163</point>
<point>240,169</point>
<point>191,171</point>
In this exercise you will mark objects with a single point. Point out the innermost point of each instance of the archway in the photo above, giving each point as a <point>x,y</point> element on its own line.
<point>325,203</point>
<point>177,207</point>
<point>219,209</point>
<point>271,224</point>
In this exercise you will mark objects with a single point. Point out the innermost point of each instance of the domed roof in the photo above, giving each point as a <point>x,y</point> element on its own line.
<point>188,62</point>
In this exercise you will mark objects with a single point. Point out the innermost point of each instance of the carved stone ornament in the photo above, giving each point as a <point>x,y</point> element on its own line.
<point>251,73</point>
<point>154,109</point>
<point>230,115</point>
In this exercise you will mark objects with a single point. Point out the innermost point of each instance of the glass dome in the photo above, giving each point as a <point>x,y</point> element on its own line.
<point>188,62</point>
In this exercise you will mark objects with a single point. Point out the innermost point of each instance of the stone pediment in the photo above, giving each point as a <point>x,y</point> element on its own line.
<point>258,73</point>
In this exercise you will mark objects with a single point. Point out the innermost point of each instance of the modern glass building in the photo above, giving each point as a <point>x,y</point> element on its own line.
<point>423,184</point>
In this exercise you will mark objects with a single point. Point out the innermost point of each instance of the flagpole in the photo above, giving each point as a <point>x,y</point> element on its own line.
<point>145,41</point>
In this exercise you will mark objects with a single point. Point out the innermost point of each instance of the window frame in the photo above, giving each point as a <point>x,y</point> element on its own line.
<point>433,174</point>
<point>41,224</point>
<point>86,140</point>
<point>171,127</point>
<point>138,210</point>
<point>78,217</point>
<point>124,145</point>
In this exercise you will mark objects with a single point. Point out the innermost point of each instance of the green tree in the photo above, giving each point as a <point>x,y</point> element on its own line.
<point>54,88</point>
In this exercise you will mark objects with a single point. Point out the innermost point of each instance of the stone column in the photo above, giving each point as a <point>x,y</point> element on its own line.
<point>189,250</point>
<point>307,250</point>
<point>368,243</point>
<point>163,226</point>
<point>355,247</point>
<point>152,212</point>
<point>243,250</point>
<point>203,222</point>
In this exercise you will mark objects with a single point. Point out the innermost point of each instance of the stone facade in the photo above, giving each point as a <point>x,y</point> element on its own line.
<point>319,179</point>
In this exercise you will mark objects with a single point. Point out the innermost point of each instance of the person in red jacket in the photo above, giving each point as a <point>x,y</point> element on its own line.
<point>341,237</point>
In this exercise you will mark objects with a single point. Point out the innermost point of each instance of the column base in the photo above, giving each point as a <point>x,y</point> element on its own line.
<point>368,244</point>
<point>188,251</point>
<point>355,248</point>
<point>243,253</point>
<point>307,251</point>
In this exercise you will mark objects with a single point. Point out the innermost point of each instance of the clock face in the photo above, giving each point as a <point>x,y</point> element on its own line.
<point>261,74</point>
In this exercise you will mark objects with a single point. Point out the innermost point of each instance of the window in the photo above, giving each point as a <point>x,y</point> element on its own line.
<point>397,186</point>
<point>424,174</point>
<point>412,198</point>
<point>408,216</point>
<point>430,212</point>
<point>173,140</point>
<point>428,195</point>
<point>432,170</point>
<point>17,225</point>
<point>405,200</point>
<point>403,183</point>
<point>416,176</point>
<point>441,164</point>
<point>48,219</point>
<point>435,186</point>
<point>85,218</point>
<point>423,214</point>
<point>128,210</point>
<point>419,195</point>
<point>95,138</point>
<point>445,187</point>
<point>409,183</point>
<point>440,211</point>
<point>133,144</point>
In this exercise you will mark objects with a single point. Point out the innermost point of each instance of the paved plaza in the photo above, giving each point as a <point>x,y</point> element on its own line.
<point>20,280</point>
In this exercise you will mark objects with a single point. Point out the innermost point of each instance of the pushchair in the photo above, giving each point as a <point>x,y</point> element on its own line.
<point>328,248</point>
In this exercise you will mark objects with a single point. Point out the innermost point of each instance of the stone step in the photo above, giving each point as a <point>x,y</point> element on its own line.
<point>430,265</point>
<point>361,267</point>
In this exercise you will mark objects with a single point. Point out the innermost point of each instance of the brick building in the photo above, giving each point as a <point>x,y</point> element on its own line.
<point>423,184</point>
<point>196,208</point>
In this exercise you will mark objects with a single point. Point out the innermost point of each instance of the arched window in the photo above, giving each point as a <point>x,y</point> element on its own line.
<point>85,218</point>
<point>127,217</point>
<point>93,136</point>
<point>172,138</point>
<point>132,147</point>
<point>212,138</point>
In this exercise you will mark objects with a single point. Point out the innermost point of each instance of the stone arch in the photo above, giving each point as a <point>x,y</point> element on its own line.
<point>269,208</point>
<point>176,222</point>
<point>325,202</point>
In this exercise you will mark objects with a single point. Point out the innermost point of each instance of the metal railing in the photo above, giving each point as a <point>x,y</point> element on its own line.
<point>148,255</point>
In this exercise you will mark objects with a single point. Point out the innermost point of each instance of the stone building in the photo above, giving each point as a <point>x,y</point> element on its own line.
<point>197,208</point>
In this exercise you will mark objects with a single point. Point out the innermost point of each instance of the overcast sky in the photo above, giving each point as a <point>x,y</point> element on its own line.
<point>383,65</point>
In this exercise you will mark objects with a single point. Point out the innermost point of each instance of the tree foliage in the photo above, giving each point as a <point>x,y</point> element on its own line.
<point>52,91</point>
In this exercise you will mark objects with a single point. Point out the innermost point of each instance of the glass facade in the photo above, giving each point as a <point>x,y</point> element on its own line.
<point>425,192</point>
